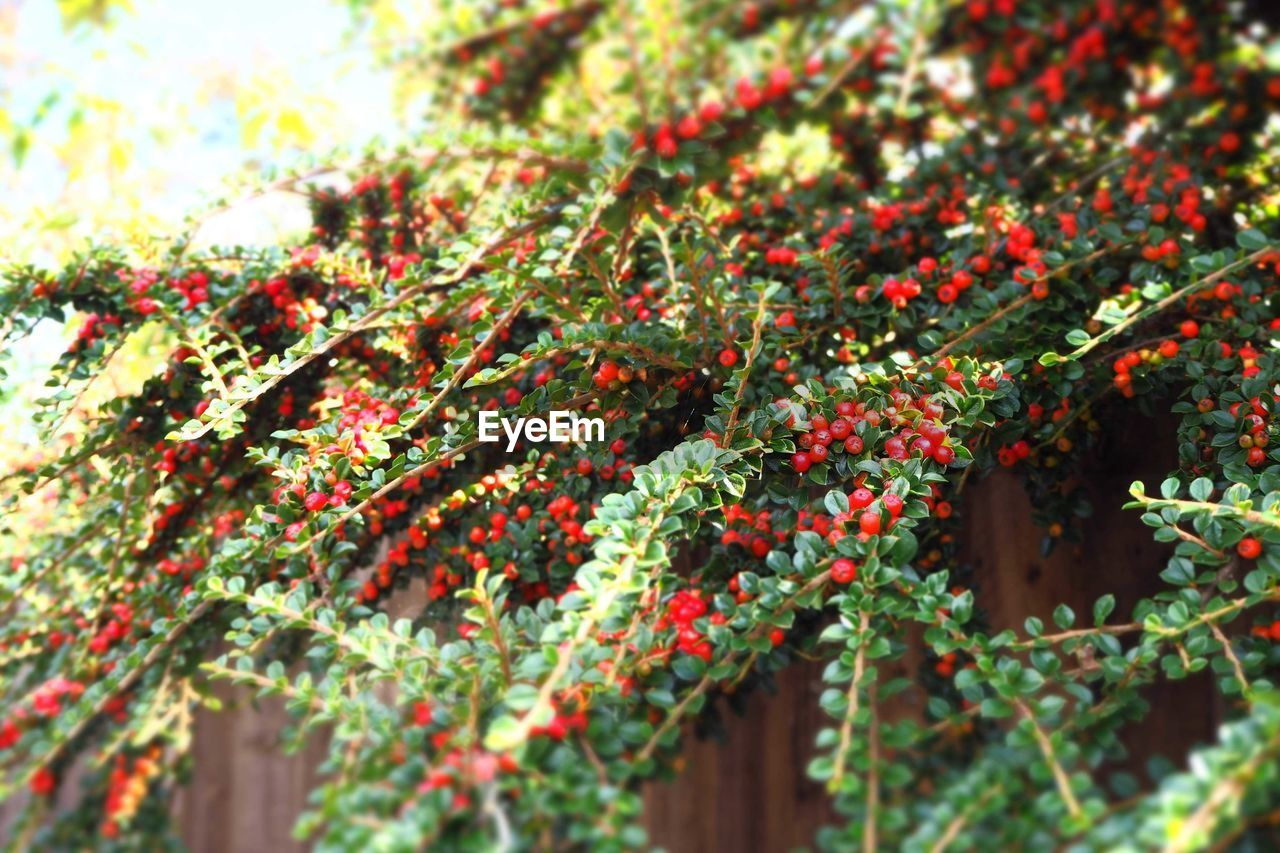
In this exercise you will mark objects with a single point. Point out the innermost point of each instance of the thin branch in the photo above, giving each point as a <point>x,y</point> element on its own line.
<point>957,825</point>
<point>1245,686</point>
<point>1060,777</point>
<point>851,699</point>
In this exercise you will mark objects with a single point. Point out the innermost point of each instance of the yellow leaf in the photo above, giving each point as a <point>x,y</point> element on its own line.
<point>119,155</point>
<point>293,128</point>
<point>251,128</point>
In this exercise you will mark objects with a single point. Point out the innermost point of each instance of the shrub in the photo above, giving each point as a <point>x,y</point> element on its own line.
<point>813,268</point>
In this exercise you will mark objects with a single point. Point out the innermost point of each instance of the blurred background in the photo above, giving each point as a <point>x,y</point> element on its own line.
<point>121,119</point>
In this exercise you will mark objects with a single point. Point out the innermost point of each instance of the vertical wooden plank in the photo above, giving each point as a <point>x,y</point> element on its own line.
<point>749,792</point>
<point>245,793</point>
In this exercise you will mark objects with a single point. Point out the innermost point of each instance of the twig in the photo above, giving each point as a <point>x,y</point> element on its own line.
<point>443,280</point>
<point>851,698</point>
<point>974,331</point>
<point>1127,628</point>
<point>1171,299</point>
<point>473,359</point>
<point>495,627</point>
<point>957,825</point>
<point>130,679</point>
<point>1060,777</point>
<point>873,771</point>
<point>918,42</point>
<point>1214,807</point>
<point>1222,638</point>
<point>240,675</point>
<point>757,330</point>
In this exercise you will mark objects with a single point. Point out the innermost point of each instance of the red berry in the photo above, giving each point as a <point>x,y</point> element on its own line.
<point>779,82</point>
<point>315,502</point>
<point>728,357</point>
<point>1249,548</point>
<point>606,372</point>
<point>923,446</point>
<point>689,127</point>
<point>843,570</point>
<point>869,522</point>
<point>800,461</point>
<point>861,498</point>
<point>43,783</point>
<point>711,111</point>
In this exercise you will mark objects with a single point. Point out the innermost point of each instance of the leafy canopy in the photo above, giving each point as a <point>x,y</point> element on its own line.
<point>815,264</point>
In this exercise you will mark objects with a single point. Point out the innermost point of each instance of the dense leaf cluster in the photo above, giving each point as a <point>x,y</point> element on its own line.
<point>818,265</point>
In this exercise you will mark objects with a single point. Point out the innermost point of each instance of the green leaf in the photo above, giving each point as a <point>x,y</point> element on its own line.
<point>1251,239</point>
<point>1201,488</point>
<point>1102,608</point>
<point>837,502</point>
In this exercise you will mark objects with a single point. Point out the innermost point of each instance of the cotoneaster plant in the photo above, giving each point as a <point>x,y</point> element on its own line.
<point>818,266</point>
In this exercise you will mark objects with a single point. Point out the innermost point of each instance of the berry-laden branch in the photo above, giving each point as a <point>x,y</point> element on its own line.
<point>769,273</point>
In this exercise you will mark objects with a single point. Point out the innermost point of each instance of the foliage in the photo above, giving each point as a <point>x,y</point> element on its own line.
<point>1028,218</point>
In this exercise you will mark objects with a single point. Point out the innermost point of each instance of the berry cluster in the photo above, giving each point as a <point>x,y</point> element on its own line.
<point>816,285</point>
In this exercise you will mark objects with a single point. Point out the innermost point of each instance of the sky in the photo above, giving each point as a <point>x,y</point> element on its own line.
<point>189,79</point>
